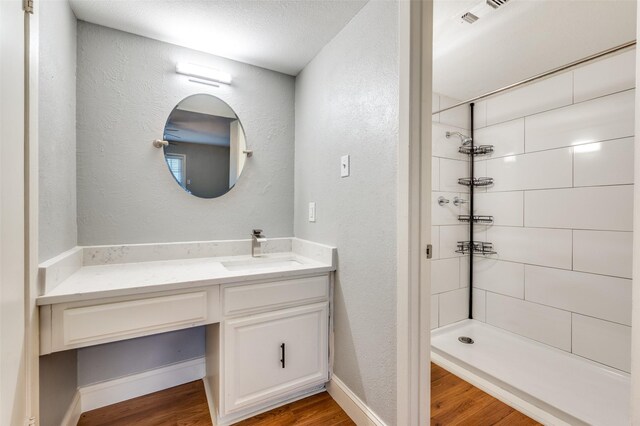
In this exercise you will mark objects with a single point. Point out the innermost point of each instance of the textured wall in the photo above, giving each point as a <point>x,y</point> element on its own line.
<point>347,103</point>
<point>126,88</point>
<point>57,129</point>
<point>107,362</point>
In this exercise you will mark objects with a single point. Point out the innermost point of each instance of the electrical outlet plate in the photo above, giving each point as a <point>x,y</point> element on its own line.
<point>345,166</point>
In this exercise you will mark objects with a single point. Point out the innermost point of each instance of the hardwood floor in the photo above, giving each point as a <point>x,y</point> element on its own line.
<point>186,405</point>
<point>453,402</point>
<point>456,402</point>
<point>319,409</point>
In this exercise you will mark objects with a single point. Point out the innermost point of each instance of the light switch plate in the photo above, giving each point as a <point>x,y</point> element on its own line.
<point>312,212</point>
<point>345,166</point>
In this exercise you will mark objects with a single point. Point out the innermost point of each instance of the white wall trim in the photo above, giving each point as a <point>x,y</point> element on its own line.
<point>32,79</point>
<point>15,338</point>
<point>509,398</point>
<point>359,412</point>
<point>72,416</point>
<point>414,214</point>
<point>118,390</point>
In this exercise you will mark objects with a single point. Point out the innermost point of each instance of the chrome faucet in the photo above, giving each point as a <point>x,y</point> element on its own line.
<point>256,242</point>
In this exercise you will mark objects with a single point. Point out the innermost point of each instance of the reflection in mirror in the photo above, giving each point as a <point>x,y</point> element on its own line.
<point>207,148</point>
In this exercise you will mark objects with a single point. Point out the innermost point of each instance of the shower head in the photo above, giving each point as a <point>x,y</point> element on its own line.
<point>466,140</point>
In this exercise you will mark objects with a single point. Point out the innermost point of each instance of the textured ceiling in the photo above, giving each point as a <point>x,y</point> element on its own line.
<point>281,35</point>
<point>521,39</point>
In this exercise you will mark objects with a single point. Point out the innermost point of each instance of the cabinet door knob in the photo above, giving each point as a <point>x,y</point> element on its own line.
<point>282,353</point>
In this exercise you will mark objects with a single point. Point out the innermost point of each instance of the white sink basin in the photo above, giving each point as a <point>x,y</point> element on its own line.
<point>260,263</point>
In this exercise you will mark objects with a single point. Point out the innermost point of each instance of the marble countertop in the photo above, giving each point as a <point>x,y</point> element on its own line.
<point>93,281</point>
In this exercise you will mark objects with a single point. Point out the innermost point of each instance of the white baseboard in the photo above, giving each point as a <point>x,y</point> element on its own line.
<point>72,416</point>
<point>111,392</point>
<point>135,385</point>
<point>352,405</point>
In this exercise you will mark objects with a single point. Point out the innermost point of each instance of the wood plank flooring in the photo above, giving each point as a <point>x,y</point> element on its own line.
<point>453,402</point>
<point>184,405</point>
<point>456,402</point>
<point>319,409</point>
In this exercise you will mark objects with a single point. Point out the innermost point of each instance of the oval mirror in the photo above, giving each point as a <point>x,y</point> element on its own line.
<point>207,148</point>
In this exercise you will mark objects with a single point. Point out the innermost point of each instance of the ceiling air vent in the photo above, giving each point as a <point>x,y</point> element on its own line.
<point>496,3</point>
<point>469,17</point>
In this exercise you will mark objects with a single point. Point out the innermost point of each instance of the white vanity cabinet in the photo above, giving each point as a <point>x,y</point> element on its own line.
<point>270,355</point>
<point>273,344</point>
<point>267,319</point>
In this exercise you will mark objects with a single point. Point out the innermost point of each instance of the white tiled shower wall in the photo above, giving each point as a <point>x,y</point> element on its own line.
<point>450,284</point>
<point>562,204</point>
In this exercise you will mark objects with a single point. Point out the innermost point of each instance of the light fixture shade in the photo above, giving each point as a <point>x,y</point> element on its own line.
<point>203,72</point>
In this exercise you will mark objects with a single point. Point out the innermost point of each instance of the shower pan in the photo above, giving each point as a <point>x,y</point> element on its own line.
<point>532,377</point>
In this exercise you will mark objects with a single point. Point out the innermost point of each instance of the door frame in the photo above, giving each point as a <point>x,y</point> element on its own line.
<point>31,176</point>
<point>19,389</point>
<point>414,213</point>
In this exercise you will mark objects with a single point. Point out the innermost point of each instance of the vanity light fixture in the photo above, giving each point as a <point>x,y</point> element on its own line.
<point>202,72</point>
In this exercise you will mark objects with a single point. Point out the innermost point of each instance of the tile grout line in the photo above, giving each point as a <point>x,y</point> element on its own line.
<point>573,87</point>
<point>556,308</point>
<point>524,284</point>
<point>495,226</point>
<point>571,335</point>
<point>560,107</point>
<point>610,140</point>
<point>562,269</point>
<point>552,188</point>
<point>524,209</point>
<point>486,310</point>
<point>524,134</point>
<point>572,247</point>
<point>573,167</point>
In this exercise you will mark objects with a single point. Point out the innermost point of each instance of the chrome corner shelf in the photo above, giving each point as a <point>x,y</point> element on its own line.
<point>476,150</point>
<point>475,247</point>
<point>479,181</point>
<point>481,219</point>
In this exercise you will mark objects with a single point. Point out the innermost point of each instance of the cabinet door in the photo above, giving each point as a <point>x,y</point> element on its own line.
<point>267,356</point>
